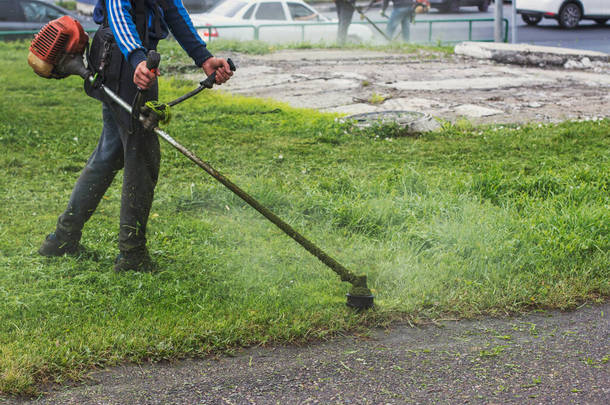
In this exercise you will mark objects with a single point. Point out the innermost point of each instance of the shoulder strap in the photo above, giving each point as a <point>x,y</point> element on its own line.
<point>139,9</point>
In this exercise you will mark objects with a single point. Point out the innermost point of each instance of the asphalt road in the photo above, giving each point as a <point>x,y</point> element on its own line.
<point>548,357</point>
<point>588,35</point>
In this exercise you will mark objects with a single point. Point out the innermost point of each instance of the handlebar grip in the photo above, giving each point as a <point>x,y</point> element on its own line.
<point>209,81</point>
<point>153,59</point>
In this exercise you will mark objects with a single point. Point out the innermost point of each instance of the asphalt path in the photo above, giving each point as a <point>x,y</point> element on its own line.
<point>547,357</point>
<point>588,35</point>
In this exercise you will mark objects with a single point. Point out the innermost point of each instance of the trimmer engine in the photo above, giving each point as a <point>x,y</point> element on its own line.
<point>422,6</point>
<point>57,50</point>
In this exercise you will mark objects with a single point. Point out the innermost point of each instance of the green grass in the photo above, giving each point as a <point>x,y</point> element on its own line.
<point>466,221</point>
<point>260,48</point>
<point>174,59</point>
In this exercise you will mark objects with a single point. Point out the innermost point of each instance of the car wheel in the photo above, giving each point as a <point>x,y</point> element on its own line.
<point>484,6</point>
<point>570,15</point>
<point>531,19</point>
<point>601,21</point>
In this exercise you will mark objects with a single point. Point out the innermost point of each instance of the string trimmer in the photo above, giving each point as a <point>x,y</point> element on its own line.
<point>57,52</point>
<point>363,16</point>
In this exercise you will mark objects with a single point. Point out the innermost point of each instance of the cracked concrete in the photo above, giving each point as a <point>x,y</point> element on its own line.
<point>449,87</point>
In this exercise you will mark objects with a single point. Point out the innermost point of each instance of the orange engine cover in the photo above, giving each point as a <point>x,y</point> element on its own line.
<point>64,35</point>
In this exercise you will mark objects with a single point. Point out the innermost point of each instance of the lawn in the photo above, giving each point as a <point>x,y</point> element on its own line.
<point>464,222</point>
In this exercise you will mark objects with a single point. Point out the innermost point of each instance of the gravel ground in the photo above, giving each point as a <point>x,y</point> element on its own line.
<point>538,358</point>
<point>448,87</point>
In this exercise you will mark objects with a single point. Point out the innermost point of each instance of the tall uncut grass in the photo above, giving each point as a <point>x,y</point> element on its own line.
<point>463,222</point>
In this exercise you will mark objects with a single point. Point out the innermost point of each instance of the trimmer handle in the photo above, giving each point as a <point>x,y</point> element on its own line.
<point>152,61</point>
<point>209,81</point>
<point>231,65</point>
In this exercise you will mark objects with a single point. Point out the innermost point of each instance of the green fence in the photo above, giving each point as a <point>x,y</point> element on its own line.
<point>382,23</point>
<point>256,29</point>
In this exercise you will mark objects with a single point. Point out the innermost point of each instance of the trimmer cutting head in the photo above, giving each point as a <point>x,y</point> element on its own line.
<point>359,296</point>
<point>360,301</point>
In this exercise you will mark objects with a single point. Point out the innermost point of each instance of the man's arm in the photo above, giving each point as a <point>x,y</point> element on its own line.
<point>179,22</point>
<point>126,35</point>
<point>124,30</point>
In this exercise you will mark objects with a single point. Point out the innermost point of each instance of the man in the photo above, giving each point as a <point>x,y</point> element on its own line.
<point>345,12</point>
<point>128,30</point>
<point>402,13</point>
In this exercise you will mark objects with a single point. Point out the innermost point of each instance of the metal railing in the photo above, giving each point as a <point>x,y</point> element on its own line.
<point>256,29</point>
<point>303,26</point>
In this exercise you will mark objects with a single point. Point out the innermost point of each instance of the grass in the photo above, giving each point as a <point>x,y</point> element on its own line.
<point>176,60</point>
<point>256,47</point>
<point>466,221</point>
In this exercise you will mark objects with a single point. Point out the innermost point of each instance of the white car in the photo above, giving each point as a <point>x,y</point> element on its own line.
<point>289,20</point>
<point>567,12</point>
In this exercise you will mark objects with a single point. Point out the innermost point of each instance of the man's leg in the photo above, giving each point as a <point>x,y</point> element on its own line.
<point>406,25</point>
<point>345,12</point>
<point>142,158</point>
<point>96,177</point>
<point>392,23</point>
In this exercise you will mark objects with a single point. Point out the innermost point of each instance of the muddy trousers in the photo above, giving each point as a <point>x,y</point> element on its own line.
<point>139,155</point>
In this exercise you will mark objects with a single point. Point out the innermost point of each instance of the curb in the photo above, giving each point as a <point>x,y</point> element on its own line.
<point>533,55</point>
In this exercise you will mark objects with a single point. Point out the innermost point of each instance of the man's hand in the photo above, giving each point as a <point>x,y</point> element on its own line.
<point>144,78</point>
<point>220,66</point>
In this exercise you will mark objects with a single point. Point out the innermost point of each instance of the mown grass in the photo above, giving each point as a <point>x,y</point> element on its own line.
<point>466,221</point>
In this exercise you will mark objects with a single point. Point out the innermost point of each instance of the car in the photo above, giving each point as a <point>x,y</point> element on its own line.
<point>453,6</point>
<point>568,13</point>
<point>198,6</point>
<point>32,15</point>
<point>291,20</point>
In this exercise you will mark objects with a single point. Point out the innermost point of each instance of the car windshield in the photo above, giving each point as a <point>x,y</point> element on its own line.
<point>228,8</point>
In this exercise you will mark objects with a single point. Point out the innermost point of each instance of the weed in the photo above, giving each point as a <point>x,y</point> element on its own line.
<point>377,98</point>
<point>535,382</point>
<point>493,352</point>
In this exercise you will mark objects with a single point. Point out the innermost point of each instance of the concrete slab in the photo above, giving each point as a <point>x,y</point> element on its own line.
<point>475,83</point>
<point>524,54</point>
<point>343,81</point>
<point>351,109</point>
<point>413,103</point>
<point>330,100</point>
<point>476,111</point>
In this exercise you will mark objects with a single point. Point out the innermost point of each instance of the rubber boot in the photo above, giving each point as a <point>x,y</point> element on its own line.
<point>134,260</point>
<point>55,246</point>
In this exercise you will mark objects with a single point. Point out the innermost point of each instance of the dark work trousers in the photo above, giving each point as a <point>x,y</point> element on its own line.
<point>345,12</point>
<point>137,152</point>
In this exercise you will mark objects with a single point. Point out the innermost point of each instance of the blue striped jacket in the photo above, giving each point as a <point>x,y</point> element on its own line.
<point>174,18</point>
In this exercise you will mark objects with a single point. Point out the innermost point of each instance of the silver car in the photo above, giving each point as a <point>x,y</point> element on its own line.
<point>274,21</point>
<point>32,15</point>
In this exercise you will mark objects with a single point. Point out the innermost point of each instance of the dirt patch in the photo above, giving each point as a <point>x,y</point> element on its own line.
<point>545,357</point>
<point>447,87</point>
